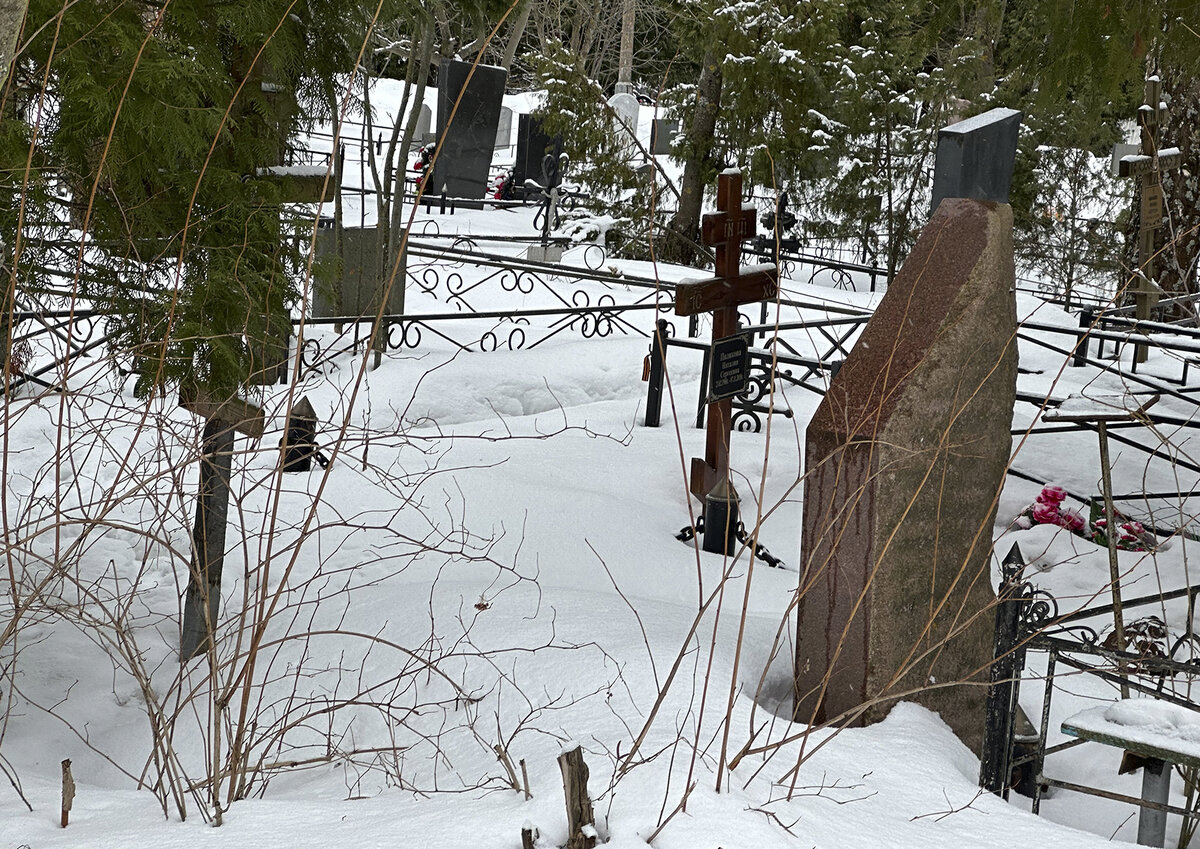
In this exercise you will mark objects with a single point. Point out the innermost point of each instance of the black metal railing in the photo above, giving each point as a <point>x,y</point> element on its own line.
<point>1028,619</point>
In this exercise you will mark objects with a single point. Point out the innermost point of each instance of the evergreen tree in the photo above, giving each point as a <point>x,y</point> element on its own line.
<point>148,127</point>
<point>759,102</point>
<point>1084,63</point>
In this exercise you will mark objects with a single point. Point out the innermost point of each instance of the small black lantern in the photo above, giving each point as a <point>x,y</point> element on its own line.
<point>299,443</point>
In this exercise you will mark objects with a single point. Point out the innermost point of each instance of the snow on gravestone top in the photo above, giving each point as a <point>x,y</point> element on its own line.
<point>1148,727</point>
<point>975,157</point>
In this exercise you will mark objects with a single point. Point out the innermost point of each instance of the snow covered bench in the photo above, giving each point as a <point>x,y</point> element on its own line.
<point>1160,734</point>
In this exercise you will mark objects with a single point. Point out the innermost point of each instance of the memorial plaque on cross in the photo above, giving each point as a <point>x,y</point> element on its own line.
<point>724,231</point>
<point>1148,164</point>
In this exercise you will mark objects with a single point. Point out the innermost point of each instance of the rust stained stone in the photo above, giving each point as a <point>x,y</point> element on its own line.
<point>904,460</point>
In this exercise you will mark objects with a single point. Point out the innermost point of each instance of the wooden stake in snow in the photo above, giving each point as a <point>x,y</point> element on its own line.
<point>203,601</point>
<point>68,791</point>
<point>529,835</point>
<point>525,780</point>
<point>581,829</point>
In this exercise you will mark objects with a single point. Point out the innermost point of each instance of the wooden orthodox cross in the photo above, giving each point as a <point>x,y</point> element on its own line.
<point>1148,164</point>
<point>724,230</point>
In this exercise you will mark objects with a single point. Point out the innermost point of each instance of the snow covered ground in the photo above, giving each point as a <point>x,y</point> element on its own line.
<point>502,571</point>
<point>490,560</point>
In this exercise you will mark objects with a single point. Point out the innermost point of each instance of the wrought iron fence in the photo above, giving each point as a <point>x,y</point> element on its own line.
<point>1028,620</point>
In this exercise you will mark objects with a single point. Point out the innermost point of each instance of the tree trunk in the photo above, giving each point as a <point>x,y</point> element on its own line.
<point>679,244</point>
<point>12,17</point>
<point>394,273</point>
<point>515,35</point>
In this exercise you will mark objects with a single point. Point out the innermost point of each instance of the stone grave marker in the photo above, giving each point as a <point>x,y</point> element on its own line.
<point>724,230</point>
<point>504,128</point>
<point>661,133</point>
<point>466,142</point>
<point>424,120</point>
<point>904,461</point>
<point>533,144</point>
<point>975,157</point>
<point>626,107</point>
<point>358,285</point>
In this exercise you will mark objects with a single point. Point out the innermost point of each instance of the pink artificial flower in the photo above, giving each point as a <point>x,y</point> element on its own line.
<point>1045,514</point>
<point>1071,520</point>
<point>1133,528</point>
<point>1052,494</point>
<point>1100,524</point>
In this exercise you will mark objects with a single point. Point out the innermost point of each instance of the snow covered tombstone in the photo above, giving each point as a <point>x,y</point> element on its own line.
<point>904,459</point>
<point>626,107</point>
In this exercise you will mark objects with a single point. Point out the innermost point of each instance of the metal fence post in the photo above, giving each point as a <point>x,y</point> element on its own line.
<point>658,363</point>
<point>995,763</point>
<point>702,402</point>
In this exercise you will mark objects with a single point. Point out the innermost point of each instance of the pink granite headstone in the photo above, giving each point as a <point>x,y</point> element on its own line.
<point>904,460</point>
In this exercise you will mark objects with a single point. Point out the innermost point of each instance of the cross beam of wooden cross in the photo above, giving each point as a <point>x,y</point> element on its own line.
<point>724,230</point>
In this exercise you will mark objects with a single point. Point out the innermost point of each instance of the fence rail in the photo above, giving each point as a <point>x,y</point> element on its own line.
<point>1028,620</point>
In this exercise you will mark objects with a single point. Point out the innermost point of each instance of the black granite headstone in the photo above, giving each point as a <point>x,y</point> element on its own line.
<point>975,157</point>
<point>661,133</point>
<point>465,143</point>
<point>533,144</point>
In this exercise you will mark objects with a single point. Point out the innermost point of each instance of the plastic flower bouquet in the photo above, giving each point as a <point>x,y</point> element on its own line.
<point>1048,509</point>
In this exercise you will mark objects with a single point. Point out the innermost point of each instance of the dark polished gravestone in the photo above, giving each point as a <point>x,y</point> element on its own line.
<point>533,145</point>
<point>904,460</point>
<point>466,141</point>
<point>975,157</point>
<point>662,131</point>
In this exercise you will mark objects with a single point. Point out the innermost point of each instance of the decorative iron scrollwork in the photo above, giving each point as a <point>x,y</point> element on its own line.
<point>409,335</point>
<point>428,280</point>
<point>746,421</point>
<point>594,256</point>
<point>1039,615</point>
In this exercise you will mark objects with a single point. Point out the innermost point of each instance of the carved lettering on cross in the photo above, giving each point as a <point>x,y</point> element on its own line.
<point>724,230</point>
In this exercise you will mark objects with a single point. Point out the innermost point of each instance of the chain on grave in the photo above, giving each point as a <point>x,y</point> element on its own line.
<point>689,533</point>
